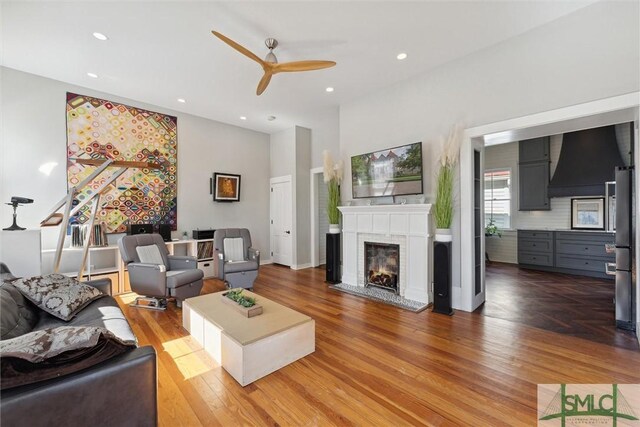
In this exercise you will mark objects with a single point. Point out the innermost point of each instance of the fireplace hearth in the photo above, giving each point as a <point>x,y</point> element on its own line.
<point>382,262</point>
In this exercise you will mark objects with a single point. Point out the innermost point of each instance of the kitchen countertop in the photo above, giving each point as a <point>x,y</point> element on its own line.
<point>565,229</point>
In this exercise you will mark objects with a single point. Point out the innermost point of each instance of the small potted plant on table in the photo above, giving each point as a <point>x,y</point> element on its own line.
<point>244,304</point>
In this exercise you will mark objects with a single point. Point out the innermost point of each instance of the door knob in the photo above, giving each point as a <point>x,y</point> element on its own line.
<point>288,231</point>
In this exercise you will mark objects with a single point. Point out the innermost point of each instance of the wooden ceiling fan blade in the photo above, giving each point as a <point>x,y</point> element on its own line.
<point>264,82</point>
<point>243,50</point>
<point>289,67</point>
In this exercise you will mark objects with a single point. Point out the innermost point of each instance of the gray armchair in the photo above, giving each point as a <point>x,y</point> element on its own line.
<point>237,262</point>
<point>161,275</point>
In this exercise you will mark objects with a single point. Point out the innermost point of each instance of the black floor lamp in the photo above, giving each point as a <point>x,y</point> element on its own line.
<point>15,202</point>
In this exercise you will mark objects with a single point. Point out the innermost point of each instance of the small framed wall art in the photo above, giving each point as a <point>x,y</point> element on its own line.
<point>587,214</point>
<point>226,187</point>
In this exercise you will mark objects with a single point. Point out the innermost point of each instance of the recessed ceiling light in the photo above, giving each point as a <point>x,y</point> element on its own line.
<point>329,89</point>
<point>92,75</point>
<point>181,100</point>
<point>401,56</point>
<point>100,36</point>
<point>243,118</point>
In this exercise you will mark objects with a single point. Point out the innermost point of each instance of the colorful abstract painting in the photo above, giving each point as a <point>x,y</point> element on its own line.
<point>101,129</point>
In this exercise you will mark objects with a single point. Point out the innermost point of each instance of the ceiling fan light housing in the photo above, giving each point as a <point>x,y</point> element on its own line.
<point>271,58</point>
<point>271,43</point>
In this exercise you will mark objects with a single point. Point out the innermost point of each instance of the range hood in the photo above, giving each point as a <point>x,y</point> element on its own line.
<point>588,159</point>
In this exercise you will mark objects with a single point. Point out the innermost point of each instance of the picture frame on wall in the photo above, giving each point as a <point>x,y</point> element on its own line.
<point>587,214</point>
<point>226,187</point>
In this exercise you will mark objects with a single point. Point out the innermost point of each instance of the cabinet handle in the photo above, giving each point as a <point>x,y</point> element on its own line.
<point>586,249</point>
<point>207,265</point>
<point>586,263</point>
<point>534,245</point>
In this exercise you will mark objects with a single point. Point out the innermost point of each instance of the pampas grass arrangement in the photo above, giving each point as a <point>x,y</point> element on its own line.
<point>443,207</point>
<point>332,177</point>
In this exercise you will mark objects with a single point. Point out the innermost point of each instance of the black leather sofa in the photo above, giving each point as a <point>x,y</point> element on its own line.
<point>117,392</point>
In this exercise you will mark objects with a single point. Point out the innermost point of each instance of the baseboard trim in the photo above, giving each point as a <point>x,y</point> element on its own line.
<point>301,266</point>
<point>266,261</point>
<point>585,273</point>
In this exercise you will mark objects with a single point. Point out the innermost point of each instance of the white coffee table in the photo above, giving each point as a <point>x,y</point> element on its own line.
<point>249,348</point>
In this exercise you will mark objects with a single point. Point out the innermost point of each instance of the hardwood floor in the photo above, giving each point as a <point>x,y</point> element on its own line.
<point>570,305</point>
<point>375,364</point>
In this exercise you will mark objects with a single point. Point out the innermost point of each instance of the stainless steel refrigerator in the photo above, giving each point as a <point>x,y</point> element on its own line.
<point>625,251</point>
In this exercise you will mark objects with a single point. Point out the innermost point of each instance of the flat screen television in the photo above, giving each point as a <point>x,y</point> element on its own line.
<point>391,172</point>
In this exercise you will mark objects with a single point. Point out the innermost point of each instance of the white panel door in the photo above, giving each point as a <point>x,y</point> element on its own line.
<point>281,222</point>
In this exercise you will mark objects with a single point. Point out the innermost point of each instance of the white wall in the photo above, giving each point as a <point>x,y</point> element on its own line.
<point>34,132</point>
<point>303,197</point>
<point>591,54</point>
<point>323,219</point>
<point>291,155</point>
<point>283,153</point>
<point>325,134</point>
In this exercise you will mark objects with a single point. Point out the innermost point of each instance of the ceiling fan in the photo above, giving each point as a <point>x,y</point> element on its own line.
<point>270,63</point>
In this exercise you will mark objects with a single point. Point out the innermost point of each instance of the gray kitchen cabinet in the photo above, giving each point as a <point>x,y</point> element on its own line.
<point>532,186</point>
<point>535,248</point>
<point>533,175</point>
<point>570,252</point>
<point>533,150</point>
<point>583,251</point>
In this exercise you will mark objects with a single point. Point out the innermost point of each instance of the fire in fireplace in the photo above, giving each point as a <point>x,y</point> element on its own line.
<point>382,264</point>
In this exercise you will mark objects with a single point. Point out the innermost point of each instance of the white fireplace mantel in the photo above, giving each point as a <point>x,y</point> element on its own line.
<point>408,225</point>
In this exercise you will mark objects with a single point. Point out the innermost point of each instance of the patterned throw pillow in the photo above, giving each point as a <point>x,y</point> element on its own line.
<point>51,353</point>
<point>57,294</point>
